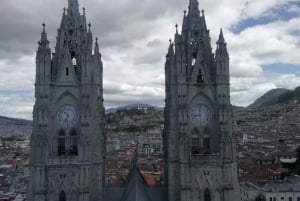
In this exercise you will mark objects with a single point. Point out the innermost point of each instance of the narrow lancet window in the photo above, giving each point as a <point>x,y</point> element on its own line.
<point>61,147</point>
<point>196,146</point>
<point>200,77</point>
<point>74,143</point>
<point>206,145</point>
<point>207,196</point>
<point>62,196</point>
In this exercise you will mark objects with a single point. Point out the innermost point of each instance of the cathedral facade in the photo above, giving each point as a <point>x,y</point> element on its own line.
<point>199,145</point>
<point>68,142</point>
<point>68,139</point>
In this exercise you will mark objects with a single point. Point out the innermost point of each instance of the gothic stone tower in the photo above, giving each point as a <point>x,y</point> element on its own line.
<point>67,143</point>
<point>201,162</point>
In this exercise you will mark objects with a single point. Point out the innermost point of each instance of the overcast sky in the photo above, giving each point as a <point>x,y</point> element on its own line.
<point>263,39</point>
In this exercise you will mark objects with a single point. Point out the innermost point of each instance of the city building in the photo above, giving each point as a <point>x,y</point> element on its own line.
<point>283,190</point>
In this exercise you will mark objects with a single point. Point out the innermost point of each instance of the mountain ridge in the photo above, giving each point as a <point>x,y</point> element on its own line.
<point>14,121</point>
<point>268,98</point>
<point>130,106</point>
<point>276,96</point>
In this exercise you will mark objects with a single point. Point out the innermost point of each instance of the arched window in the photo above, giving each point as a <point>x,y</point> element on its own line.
<point>200,77</point>
<point>62,196</point>
<point>61,147</point>
<point>196,149</point>
<point>73,143</point>
<point>195,34</point>
<point>196,145</point>
<point>206,145</point>
<point>207,196</point>
<point>206,141</point>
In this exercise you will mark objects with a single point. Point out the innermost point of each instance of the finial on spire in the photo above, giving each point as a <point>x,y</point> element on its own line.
<point>96,50</point>
<point>221,37</point>
<point>171,48</point>
<point>90,25</point>
<point>64,10</point>
<point>44,41</point>
<point>184,13</point>
<point>44,27</point>
<point>83,10</point>
<point>176,26</point>
<point>203,12</point>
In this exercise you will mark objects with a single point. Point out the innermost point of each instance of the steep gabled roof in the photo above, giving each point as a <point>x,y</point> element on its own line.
<point>135,184</point>
<point>135,187</point>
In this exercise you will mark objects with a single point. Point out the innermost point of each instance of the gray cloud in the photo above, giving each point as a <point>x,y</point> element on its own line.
<point>133,37</point>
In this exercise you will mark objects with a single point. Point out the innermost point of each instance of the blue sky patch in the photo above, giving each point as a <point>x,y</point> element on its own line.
<point>282,13</point>
<point>282,68</point>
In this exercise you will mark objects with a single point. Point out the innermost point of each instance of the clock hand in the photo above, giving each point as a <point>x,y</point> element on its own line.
<point>67,117</point>
<point>64,114</point>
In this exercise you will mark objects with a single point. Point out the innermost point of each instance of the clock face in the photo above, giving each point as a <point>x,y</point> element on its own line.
<point>199,115</point>
<point>67,116</point>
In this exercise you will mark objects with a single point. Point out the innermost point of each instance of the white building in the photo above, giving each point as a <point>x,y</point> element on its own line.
<point>286,190</point>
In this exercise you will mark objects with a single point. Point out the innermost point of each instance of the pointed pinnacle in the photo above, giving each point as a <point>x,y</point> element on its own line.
<point>73,3</point>
<point>221,37</point>
<point>44,39</point>
<point>96,48</point>
<point>90,25</point>
<point>194,5</point>
<point>44,27</point>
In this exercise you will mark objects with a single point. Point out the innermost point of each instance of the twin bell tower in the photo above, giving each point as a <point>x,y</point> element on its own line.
<point>68,140</point>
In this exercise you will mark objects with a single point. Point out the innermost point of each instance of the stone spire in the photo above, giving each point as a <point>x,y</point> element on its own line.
<point>84,18</point>
<point>184,23</point>
<point>171,53</point>
<point>90,38</point>
<point>73,6</point>
<point>44,43</point>
<point>221,45</point>
<point>221,37</point>
<point>96,48</point>
<point>43,60</point>
<point>194,7</point>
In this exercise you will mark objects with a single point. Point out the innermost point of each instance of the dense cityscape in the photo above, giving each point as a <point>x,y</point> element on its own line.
<point>196,147</point>
<point>268,139</point>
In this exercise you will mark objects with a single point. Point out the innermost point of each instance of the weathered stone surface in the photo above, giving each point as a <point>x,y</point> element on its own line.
<point>198,116</point>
